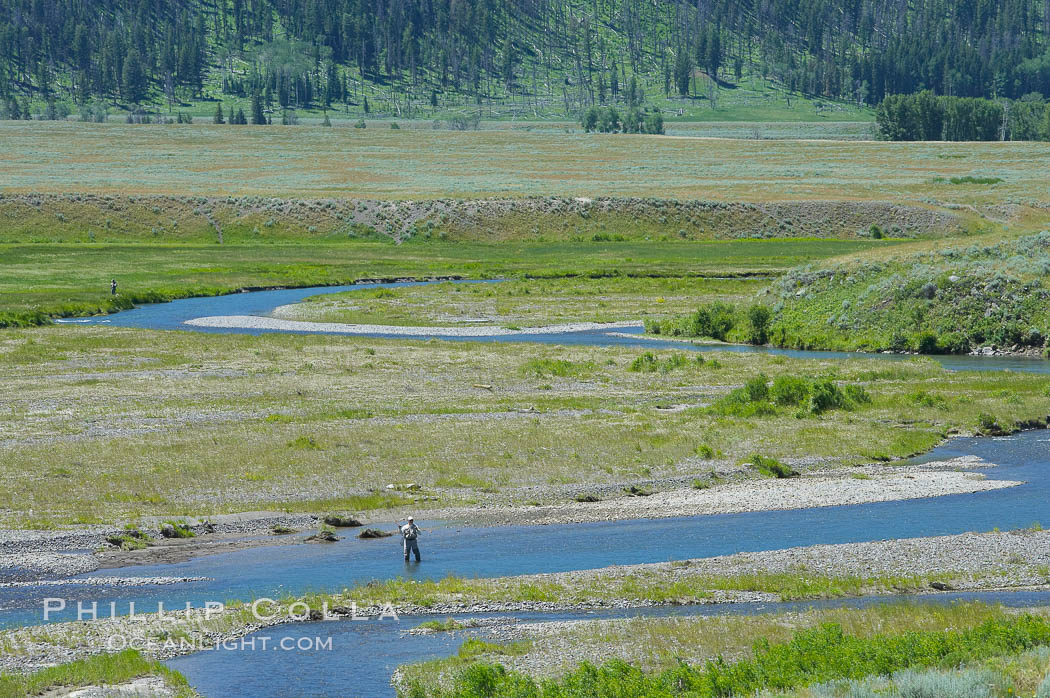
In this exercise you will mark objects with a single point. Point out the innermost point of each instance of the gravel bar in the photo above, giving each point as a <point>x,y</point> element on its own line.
<point>255,322</point>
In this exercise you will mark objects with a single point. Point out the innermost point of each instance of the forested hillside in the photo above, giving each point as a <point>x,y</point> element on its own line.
<point>416,57</point>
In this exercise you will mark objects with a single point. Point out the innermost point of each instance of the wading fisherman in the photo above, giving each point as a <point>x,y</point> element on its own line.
<point>410,533</point>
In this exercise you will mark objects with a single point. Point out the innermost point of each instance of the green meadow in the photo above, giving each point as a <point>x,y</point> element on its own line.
<point>183,423</point>
<point>38,280</point>
<point>314,162</point>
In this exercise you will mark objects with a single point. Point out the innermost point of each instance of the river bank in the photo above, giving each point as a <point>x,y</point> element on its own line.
<point>1012,560</point>
<point>44,555</point>
<point>28,556</point>
<point>813,489</point>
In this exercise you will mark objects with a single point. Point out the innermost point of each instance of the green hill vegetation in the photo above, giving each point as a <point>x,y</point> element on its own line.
<point>266,59</point>
<point>978,294</point>
<point>949,300</point>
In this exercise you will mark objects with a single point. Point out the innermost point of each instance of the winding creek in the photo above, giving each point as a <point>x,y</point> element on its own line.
<point>175,315</point>
<point>368,652</point>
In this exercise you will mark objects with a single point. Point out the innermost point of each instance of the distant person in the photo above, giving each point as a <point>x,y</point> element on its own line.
<point>113,287</point>
<point>410,532</point>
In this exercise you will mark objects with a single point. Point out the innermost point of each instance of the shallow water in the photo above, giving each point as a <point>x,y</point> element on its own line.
<point>173,315</point>
<point>450,548</point>
<point>363,655</point>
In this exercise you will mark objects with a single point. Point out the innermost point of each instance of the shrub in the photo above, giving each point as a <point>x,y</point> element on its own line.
<point>855,395</point>
<point>954,684</point>
<point>646,363</point>
<point>325,534</point>
<point>790,390</point>
<point>337,521</point>
<point>756,398</point>
<point>926,343</point>
<point>704,451</point>
<point>130,540</point>
<point>758,318</point>
<point>481,679</point>
<point>953,343</point>
<point>714,320</point>
<point>970,179</point>
<point>987,422</point>
<point>652,326</point>
<point>771,467</point>
<point>739,402</point>
<point>551,367</point>
<point>306,443</point>
<point>824,395</point>
<point>176,529</point>
<point>446,625</point>
<point>587,498</point>
<point>757,388</point>
<point>1044,688</point>
<point>678,361</point>
<point>925,399</point>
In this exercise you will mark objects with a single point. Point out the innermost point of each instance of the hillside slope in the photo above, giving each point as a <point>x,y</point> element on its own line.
<point>529,58</point>
<point>957,298</point>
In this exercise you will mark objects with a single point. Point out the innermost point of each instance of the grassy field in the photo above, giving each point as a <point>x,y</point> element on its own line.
<point>149,423</point>
<point>73,279</point>
<point>90,202</point>
<point>525,302</point>
<point>405,164</point>
<point>771,130</point>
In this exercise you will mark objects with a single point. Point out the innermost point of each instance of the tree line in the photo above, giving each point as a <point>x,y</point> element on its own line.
<point>925,116</point>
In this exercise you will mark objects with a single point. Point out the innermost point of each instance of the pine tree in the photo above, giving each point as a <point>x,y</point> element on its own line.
<point>683,71</point>
<point>634,93</point>
<point>713,59</point>
<point>258,117</point>
<point>219,118</point>
<point>133,79</point>
<point>241,119</point>
<point>860,50</point>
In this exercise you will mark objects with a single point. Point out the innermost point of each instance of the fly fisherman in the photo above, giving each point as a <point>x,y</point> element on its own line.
<point>410,532</point>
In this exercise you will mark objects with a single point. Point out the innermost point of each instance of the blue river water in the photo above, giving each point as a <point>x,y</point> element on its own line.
<point>343,658</point>
<point>366,653</point>
<point>173,316</point>
<point>450,548</point>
